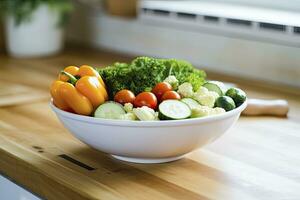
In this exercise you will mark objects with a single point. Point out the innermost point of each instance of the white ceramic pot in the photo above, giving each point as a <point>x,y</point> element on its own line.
<point>39,36</point>
<point>148,141</point>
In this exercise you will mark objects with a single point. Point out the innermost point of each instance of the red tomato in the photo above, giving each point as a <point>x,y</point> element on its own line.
<point>160,89</point>
<point>146,99</point>
<point>170,95</point>
<point>124,96</point>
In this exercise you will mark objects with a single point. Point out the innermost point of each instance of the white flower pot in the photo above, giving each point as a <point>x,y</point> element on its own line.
<point>39,36</point>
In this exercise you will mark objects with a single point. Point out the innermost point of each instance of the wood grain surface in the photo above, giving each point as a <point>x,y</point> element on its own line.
<point>259,158</point>
<point>14,94</point>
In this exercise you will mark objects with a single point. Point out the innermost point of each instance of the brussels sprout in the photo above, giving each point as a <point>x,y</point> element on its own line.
<point>238,96</point>
<point>225,102</point>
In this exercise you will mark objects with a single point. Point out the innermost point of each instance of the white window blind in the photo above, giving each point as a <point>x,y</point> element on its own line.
<point>292,5</point>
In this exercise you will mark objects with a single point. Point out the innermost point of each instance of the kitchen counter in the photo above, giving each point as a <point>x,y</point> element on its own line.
<point>259,158</point>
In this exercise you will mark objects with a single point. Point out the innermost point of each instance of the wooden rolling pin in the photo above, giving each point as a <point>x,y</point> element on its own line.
<point>266,107</point>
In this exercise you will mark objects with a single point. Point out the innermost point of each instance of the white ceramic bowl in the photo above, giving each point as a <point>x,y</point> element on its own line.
<point>148,141</point>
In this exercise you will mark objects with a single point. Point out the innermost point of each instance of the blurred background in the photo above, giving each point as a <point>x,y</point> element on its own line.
<point>256,40</point>
<point>252,43</point>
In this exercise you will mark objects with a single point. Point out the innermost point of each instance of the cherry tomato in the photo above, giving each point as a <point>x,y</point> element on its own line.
<point>170,95</point>
<point>124,96</point>
<point>146,99</point>
<point>160,89</point>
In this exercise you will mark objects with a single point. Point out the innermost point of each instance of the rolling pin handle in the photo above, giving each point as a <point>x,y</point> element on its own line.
<point>266,107</point>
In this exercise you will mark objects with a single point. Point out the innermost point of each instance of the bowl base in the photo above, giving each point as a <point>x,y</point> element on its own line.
<point>147,160</point>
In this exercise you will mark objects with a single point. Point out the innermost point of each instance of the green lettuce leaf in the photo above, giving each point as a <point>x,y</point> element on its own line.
<point>143,73</point>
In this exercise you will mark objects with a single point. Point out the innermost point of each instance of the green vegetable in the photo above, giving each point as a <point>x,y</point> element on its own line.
<point>190,102</point>
<point>144,73</point>
<point>225,102</point>
<point>173,109</point>
<point>185,72</point>
<point>109,110</point>
<point>215,86</point>
<point>238,96</point>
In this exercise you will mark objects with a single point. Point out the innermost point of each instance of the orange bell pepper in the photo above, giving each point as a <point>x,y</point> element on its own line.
<point>78,102</point>
<point>73,70</point>
<point>79,89</point>
<point>86,70</point>
<point>90,87</point>
<point>57,100</point>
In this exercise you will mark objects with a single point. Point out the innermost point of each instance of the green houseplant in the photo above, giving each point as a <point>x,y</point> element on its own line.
<point>34,27</point>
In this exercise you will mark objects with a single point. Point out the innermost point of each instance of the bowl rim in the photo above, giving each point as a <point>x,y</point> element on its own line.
<point>116,122</point>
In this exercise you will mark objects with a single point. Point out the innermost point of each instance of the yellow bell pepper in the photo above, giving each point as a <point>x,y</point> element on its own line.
<point>79,89</point>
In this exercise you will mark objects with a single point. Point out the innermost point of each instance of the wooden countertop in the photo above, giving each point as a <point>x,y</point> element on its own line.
<point>259,158</point>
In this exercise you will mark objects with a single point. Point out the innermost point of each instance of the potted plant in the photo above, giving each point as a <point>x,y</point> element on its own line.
<point>34,27</point>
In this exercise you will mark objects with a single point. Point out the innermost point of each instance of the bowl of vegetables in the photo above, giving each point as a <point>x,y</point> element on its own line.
<point>148,111</point>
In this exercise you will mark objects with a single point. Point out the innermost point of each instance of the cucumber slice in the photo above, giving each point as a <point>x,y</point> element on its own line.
<point>109,110</point>
<point>173,109</point>
<point>238,96</point>
<point>190,102</point>
<point>216,86</point>
<point>225,102</point>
